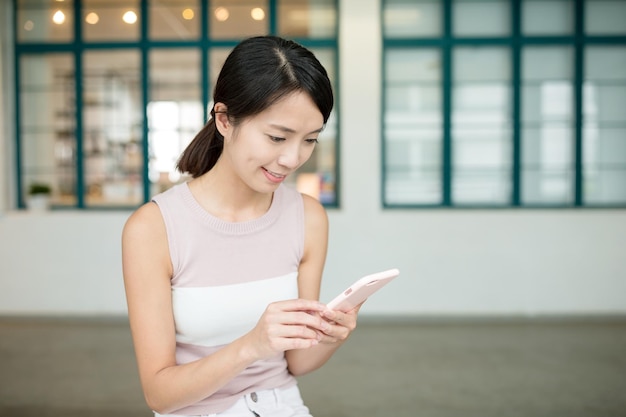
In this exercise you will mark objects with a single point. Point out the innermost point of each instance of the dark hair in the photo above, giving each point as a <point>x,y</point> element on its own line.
<point>258,72</point>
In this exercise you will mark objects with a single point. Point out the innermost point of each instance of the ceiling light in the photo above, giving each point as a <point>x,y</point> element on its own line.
<point>257,13</point>
<point>92,18</point>
<point>58,17</point>
<point>188,14</point>
<point>130,17</point>
<point>221,14</point>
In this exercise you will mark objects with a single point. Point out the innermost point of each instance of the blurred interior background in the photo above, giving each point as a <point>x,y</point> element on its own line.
<point>477,145</point>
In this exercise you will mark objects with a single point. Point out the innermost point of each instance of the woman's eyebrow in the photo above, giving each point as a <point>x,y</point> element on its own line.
<point>290,130</point>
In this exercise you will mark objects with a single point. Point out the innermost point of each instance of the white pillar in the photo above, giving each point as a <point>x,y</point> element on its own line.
<point>7,116</point>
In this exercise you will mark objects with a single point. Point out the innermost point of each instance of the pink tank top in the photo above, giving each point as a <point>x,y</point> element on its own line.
<point>224,276</point>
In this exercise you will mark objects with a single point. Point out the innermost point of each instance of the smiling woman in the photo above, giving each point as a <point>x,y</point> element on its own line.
<point>223,272</point>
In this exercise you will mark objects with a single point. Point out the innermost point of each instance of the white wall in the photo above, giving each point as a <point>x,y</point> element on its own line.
<point>452,262</point>
<point>61,263</point>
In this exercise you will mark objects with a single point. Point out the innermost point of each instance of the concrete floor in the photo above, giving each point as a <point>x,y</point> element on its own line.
<point>86,368</point>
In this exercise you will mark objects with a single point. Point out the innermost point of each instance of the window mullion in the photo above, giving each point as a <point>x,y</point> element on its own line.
<point>446,76</point>
<point>78,99</point>
<point>516,52</point>
<point>273,17</point>
<point>578,102</point>
<point>145,96</point>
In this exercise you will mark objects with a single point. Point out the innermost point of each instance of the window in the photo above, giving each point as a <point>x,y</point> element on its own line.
<point>45,21</point>
<point>604,125</point>
<point>481,125</point>
<point>106,104</point>
<point>494,103</point>
<point>47,138</point>
<point>175,112</point>
<point>547,125</point>
<point>413,117</point>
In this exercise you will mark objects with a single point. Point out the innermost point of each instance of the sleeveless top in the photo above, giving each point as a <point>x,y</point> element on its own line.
<point>224,276</point>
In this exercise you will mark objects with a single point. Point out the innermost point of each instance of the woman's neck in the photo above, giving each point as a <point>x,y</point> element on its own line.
<point>227,197</point>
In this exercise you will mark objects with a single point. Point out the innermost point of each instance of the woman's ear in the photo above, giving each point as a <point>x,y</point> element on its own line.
<point>221,118</point>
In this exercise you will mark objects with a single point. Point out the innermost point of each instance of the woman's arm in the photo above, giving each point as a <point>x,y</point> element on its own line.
<point>167,386</point>
<point>309,282</point>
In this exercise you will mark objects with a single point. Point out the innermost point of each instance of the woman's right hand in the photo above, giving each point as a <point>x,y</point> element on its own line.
<point>287,325</point>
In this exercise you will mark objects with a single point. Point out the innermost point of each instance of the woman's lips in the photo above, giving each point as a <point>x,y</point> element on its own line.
<point>273,176</point>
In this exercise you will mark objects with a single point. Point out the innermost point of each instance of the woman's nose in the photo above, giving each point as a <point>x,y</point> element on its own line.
<point>289,157</point>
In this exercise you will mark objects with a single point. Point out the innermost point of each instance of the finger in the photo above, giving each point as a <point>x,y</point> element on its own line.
<point>315,322</point>
<point>285,327</point>
<point>301,332</point>
<point>300,343</point>
<point>332,315</point>
<point>327,339</point>
<point>287,343</point>
<point>302,304</point>
<point>336,334</point>
<point>345,321</point>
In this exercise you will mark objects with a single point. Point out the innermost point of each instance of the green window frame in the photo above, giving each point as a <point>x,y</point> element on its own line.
<point>75,46</point>
<point>576,178</point>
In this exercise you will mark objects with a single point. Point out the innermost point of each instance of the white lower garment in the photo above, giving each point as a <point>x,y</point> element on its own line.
<point>267,403</point>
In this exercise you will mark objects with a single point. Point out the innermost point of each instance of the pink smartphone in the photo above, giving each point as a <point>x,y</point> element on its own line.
<point>361,289</point>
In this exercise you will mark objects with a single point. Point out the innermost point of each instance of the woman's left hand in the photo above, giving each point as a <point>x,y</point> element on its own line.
<point>341,324</point>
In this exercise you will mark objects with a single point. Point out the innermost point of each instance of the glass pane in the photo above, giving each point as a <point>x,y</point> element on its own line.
<point>111,20</point>
<point>412,126</point>
<point>45,21</point>
<point>547,125</point>
<point>48,124</point>
<point>481,126</point>
<point>412,19</point>
<point>217,57</point>
<point>236,19</point>
<point>605,17</point>
<point>481,18</point>
<point>174,112</point>
<point>174,19</point>
<point>112,128</point>
<point>317,177</point>
<point>604,125</point>
<point>547,17</point>
<point>307,18</point>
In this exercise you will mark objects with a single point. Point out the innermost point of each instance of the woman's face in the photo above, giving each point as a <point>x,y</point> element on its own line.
<point>265,149</point>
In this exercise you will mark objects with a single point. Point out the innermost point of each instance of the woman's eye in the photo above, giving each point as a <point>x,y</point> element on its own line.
<point>276,139</point>
<point>312,141</point>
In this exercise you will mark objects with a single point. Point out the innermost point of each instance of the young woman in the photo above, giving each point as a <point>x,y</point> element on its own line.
<point>223,273</point>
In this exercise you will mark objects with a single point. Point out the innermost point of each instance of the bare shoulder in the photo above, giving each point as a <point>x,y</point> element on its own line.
<point>144,235</point>
<point>146,221</point>
<point>314,212</point>
<point>315,241</point>
<point>145,250</point>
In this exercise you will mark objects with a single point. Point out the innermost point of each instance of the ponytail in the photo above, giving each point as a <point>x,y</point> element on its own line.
<point>203,151</point>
